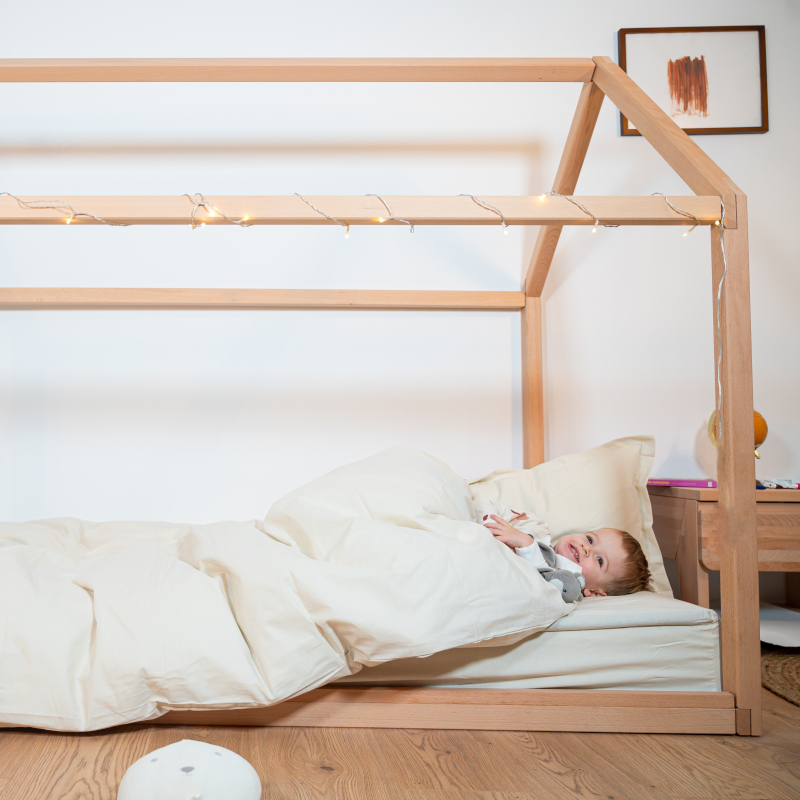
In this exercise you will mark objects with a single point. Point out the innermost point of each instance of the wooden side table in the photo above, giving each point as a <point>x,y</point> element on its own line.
<point>686,524</point>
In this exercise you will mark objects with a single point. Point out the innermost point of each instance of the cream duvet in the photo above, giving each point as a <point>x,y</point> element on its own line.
<point>103,624</point>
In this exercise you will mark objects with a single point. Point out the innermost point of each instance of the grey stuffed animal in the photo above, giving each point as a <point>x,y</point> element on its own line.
<point>571,584</point>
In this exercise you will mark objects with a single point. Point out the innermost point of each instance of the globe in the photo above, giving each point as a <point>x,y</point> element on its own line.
<point>760,431</point>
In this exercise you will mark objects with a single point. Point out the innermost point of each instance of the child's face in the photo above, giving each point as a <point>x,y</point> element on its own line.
<point>599,554</point>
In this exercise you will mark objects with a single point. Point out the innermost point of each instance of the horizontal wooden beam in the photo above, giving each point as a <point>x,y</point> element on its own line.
<point>452,716</point>
<point>486,709</point>
<point>359,70</point>
<point>683,154</point>
<point>26,299</point>
<point>530,697</point>
<point>363,210</point>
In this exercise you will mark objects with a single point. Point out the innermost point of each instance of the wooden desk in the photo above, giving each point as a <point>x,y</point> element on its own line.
<point>686,521</point>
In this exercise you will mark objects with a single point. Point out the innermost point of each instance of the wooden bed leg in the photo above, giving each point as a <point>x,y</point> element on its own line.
<point>741,652</point>
<point>743,726</point>
<point>532,383</point>
<point>692,574</point>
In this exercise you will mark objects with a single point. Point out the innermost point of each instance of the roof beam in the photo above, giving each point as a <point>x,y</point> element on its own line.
<point>361,210</point>
<point>316,70</point>
<point>580,134</point>
<point>697,169</point>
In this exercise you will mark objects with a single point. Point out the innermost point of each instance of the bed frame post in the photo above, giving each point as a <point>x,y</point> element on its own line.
<point>741,660</point>
<point>532,383</point>
<point>741,655</point>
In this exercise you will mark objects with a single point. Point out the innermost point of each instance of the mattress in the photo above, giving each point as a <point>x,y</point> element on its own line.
<point>640,642</point>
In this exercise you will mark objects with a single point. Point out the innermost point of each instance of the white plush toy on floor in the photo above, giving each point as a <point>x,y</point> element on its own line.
<point>190,770</point>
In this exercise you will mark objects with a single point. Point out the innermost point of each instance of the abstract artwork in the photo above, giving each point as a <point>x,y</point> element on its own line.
<point>709,80</point>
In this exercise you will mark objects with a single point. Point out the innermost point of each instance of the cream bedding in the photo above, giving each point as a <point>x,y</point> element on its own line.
<point>109,623</point>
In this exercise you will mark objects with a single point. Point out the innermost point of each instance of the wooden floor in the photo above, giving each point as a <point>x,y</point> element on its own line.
<point>432,765</point>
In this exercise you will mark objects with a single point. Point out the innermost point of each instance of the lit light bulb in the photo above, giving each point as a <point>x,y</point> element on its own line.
<point>211,212</point>
<point>68,221</point>
<point>716,222</point>
<point>202,224</point>
<point>686,233</point>
<point>244,219</point>
<point>594,230</point>
<point>505,229</point>
<point>347,233</point>
<point>542,196</point>
<point>381,219</point>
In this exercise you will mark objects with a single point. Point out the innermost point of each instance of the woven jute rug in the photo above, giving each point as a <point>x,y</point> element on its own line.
<point>780,672</point>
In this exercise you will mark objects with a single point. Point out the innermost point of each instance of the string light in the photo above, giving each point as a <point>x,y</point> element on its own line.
<point>680,211</point>
<point>212,211</point>
<point>491,208</point>
<point>332,219</point>
<point>391,214</point>
<point>721,226</point>
<point>61,205</point>
<point>582,207</point>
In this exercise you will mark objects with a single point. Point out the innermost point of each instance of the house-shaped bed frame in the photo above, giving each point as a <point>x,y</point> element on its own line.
<point>734,710</point>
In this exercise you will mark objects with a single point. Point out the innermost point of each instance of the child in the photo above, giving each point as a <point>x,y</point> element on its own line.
<point>611,561</point>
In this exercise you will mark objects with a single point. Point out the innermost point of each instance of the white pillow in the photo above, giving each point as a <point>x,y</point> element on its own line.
<point>605,487</point>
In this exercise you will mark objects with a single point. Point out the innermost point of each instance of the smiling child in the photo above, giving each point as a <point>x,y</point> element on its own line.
<point>611,561</point>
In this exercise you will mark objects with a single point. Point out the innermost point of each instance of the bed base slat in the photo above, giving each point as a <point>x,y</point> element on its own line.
<point>485,709</point>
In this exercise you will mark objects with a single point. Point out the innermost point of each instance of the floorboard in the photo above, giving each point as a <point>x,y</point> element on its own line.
<point>311,763</point>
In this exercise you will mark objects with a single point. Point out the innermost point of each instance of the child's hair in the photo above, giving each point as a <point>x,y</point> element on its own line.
<point>636,575</point>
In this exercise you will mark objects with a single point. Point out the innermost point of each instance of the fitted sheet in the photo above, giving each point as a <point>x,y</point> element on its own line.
<point>639,642</point>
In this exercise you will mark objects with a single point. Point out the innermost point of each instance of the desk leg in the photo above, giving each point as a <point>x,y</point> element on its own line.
<point>793,589</point>
<point>692,575</point>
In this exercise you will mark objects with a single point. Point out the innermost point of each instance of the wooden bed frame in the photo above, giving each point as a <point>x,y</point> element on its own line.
<point>734,710</point>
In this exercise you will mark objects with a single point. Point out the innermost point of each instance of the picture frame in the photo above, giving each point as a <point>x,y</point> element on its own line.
<point>710,80</point>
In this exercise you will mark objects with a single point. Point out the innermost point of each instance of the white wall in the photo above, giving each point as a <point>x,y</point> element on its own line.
<point>202,416</point>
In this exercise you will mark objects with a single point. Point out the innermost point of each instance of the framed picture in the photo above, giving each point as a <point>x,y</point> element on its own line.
<point>709,80</point>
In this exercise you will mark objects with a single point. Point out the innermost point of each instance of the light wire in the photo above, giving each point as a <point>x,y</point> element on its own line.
<point>581,206</point>
<point>680,211</point>
<point>719,320</point>
<point>391,215</point>
<point>489,207</point>
<point>203,203</point>
<point>61,205</point>
<point>320,211</point>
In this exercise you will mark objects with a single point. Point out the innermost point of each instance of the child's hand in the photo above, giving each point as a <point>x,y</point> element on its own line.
<point>507,534</point>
